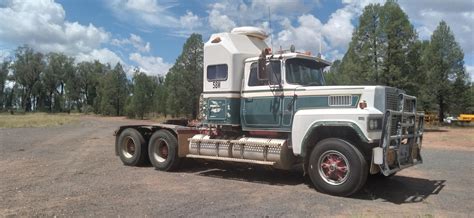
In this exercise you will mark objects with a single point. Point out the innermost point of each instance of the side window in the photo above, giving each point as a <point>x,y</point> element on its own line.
<point>275,77</point>
<point>217,72</point>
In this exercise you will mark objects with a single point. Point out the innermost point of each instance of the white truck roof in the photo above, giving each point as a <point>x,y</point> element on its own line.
<point>228,51</point>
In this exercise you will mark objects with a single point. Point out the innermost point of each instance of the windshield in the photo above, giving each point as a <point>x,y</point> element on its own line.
<point>304,72</point>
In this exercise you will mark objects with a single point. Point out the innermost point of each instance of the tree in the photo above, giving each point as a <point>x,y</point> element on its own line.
<point>51,79</point>
<point>95,95</point>
<point>143,94</point>
<point>362,63</point>
<point>3,78</point>
<point>444,62</point>
<point>333,75</point>
<point>425,100</point>
<point>160,96</point>
<point>27,68</point>
<point>401,41</point>
<point>383,50</point>
<point>114,91</point>
<point>184,80</point>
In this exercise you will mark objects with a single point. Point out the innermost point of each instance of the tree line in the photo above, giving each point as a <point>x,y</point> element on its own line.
<point>54,82</point>
<point>385,50</point>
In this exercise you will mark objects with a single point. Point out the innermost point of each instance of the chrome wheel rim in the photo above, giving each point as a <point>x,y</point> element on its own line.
<point>333,167</point>
<point>128,147</point>
<point>161,150</point>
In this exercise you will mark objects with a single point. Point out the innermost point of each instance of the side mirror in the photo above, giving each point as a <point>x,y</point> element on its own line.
<point>262,73</point>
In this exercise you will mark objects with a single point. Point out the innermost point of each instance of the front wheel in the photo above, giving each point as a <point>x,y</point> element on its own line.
<point>336,167</point>
<point>163,151</point>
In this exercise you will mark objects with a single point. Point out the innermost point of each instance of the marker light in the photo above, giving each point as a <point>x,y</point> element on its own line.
<point>216,40</point>
<point>268,51</point>
<point>362,104</point>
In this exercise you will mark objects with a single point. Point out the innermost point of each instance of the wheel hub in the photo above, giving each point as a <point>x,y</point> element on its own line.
<point>128,147</point>
<point>161,151</point>
<point>333,167</point>
<point>164,151</point>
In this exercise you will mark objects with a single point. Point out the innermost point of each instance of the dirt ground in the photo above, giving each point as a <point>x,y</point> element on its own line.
<point>72,170</point>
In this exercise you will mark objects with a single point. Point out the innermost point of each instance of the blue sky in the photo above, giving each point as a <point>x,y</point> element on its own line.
<point>150,33</point>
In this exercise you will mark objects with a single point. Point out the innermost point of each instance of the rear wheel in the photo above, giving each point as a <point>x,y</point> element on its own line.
<point>336,167</point>
<point>132,148</point>
<point>163,151</point>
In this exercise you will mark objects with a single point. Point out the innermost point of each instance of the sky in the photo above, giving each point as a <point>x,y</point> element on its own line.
<point>149,34</point>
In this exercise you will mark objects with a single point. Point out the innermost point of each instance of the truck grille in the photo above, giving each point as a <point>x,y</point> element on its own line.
<point>391,103</point>
<point>391,99</point>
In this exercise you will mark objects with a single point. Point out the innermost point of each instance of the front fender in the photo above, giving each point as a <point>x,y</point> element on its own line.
<point>316,125</point>
<point>306,121</point>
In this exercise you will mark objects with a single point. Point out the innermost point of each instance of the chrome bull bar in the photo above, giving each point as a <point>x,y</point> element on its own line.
<point>401,139</point>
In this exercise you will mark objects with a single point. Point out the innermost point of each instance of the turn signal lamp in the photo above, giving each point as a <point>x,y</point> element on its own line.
<point>362,104</point>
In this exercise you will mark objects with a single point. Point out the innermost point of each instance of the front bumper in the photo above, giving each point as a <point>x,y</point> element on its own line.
<point>402,136</point>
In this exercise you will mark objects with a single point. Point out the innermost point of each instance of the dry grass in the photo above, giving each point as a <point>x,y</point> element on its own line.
<point>159,119</point>
<point>36,120</point>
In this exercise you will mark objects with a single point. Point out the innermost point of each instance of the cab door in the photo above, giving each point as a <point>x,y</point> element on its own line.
<point>262,100</point>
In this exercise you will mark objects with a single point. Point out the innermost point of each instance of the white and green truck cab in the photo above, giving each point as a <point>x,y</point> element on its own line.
<point>273,108</point>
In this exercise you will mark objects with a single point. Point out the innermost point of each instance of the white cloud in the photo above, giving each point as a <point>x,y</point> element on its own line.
<point>219,21</point>
<point>309,33</point>
<point>4,54</point>
<point>147,15</point>
<point>135,41</point>
<point>279,6</point>
<point>303,36</point>
<point>151,65</point>
<point>147,6</point>
<point>190,21</point>
<point>42,25</point>
<point>103,55</point>
<point>425,15</point>
<point>144,13</point>
<point>224,15</point>
<point>306,34</point>
<point>459,15</point>
<point>338,30</point>
<point>470,71</point>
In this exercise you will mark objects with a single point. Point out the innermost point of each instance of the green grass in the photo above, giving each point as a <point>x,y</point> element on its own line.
<point>36,120</point>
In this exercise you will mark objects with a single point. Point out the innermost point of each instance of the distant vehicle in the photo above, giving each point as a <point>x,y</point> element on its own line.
<point>449,120</point>
<point>273,108</point>
<point>466,117</point>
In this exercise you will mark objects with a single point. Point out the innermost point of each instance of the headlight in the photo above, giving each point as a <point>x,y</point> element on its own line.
<point>374,124</point>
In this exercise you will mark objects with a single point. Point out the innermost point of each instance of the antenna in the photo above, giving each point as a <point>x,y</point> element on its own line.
<point>270,26</point>
<point>320,45</point>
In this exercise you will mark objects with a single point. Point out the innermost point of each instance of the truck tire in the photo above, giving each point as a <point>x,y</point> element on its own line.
<point>132,148</point>
<point>163,151</point>
<point>336,167</point>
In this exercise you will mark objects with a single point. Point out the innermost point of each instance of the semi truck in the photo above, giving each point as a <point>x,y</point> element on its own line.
<point>273,108</point>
